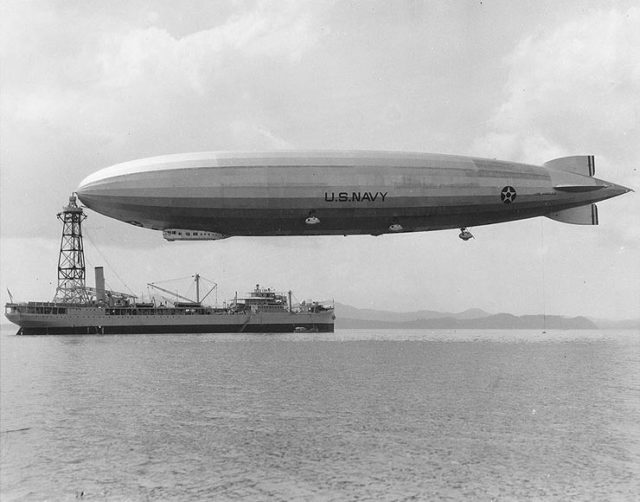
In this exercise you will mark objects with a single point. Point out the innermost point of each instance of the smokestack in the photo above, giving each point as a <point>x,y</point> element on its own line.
<point>100,284</point>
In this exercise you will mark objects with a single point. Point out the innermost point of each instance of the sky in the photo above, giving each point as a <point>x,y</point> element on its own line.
<point>87,84</point>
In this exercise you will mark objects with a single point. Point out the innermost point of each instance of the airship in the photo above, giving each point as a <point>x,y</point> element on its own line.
<point>214,195</point>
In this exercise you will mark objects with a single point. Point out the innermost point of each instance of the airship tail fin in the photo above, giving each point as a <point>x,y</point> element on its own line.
<point>578,164</point>
<point>583,215</point>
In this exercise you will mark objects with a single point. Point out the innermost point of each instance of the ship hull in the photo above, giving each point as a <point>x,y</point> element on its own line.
<point>177,329</point>
<point>94,320</point>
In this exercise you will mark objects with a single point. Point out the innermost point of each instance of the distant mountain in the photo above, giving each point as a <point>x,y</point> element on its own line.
<point>346,311</point>
<point>471,314</point>
<point>350,317</point>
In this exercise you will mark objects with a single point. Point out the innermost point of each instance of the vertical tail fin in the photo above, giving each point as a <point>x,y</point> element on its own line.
<point>583,215</point>
<point>578,164</point>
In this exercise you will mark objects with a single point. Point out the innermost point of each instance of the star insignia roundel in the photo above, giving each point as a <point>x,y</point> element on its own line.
<point>508,195</point>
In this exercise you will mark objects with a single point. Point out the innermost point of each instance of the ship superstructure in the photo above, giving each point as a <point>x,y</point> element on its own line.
<point>79,309</point>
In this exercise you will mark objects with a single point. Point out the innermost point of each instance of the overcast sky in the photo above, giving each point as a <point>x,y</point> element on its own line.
<point>87,84</point>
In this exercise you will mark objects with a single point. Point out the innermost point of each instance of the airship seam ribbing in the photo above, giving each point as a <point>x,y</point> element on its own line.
<point>338,192</point>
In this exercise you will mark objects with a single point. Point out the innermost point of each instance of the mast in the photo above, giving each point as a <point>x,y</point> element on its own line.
<point>71,269</point>
<point>197,276</point>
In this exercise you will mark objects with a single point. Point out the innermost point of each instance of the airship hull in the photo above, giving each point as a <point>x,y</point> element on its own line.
<point>317,193</point>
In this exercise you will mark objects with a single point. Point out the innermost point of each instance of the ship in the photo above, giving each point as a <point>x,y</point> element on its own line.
<point>80,309</point>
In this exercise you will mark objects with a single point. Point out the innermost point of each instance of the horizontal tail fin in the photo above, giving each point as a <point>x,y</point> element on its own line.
<point>578,164</point>
<point>583,215</point>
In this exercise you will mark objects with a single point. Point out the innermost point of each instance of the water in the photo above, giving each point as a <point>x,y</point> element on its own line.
<point>355,415</point>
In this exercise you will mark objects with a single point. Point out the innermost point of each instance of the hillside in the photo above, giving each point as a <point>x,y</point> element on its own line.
<point>348,317</point>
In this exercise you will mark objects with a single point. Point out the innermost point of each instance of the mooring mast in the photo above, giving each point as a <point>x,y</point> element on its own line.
<point>71,269</point>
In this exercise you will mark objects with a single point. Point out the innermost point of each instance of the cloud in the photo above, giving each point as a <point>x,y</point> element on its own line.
<point>260,136</point>
<point>146,56</point>
<point>575,89</point>
<point>124,74</point>
<point>92,90</point>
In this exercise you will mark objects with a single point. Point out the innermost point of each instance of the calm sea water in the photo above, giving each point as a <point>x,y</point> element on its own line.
<point>354,415</point>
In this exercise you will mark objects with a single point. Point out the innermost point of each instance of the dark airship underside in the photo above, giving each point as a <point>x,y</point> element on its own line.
<point>220,194</point>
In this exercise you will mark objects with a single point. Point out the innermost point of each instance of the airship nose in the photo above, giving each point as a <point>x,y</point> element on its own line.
<point>82,188</point>
<point>100,184</point>
<point>98,192</point>
<point>84,191</point>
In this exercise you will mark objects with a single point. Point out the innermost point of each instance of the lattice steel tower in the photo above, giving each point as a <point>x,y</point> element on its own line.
<point>71,269</point>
